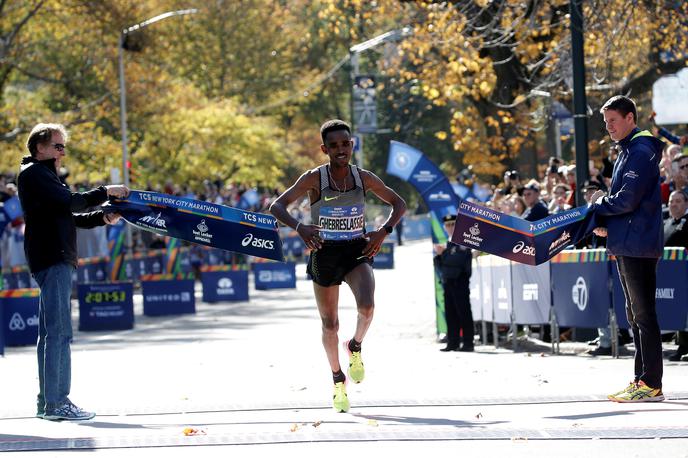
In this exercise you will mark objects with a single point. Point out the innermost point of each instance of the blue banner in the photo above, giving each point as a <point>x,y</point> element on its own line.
<point>168,297</point>
<point>104,307</point>
<point>384,259</point>
<point>225,285</point>
<point>203,223</point>
<point>671,295</point>
<point>513,238</point>
<point>580,288</point>
<point>411,165</point>
<point>271,275</point>
<point>20,317</point>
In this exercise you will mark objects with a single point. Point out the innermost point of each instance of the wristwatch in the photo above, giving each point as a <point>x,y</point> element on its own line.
<point>388,229</point>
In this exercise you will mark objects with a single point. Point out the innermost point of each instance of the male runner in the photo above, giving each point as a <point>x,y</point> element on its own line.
<point>341,248</point>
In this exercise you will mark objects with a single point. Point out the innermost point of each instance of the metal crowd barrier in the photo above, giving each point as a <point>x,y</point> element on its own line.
<point>576,288</point>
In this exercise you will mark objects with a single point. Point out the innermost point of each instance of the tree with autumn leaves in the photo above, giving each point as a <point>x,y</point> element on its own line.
<point>238,90</point>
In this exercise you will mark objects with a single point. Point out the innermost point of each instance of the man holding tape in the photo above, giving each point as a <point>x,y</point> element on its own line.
<point>631,219</point>
<point>50,247</point>
<point>341,249</point>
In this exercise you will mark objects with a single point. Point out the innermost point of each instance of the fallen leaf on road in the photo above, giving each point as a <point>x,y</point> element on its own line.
<point>480,415</point>
<point>294,427</point>
<point>317,423</point>
<point>194,432</point>
<point>373,423</point>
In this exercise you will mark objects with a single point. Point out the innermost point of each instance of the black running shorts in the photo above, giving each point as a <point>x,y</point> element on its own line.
<point>329,265</point>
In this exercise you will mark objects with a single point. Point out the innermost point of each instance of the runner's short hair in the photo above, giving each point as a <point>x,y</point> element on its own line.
<point>622,104</point>
<point>333,125</point>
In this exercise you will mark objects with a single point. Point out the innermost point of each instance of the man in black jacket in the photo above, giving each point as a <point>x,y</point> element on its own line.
<point>454,264</point>
<point>50,247</point>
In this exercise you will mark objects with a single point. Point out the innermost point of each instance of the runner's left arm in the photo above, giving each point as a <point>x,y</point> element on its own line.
<point>374,184</point>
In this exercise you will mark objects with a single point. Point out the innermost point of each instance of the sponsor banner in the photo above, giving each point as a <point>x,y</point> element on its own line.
<point>271,275</point>
<point>106,306</point>
<point>513,238</point>
<point>92,270</point>
<point>531,293</point>
<point>162,296</point>
<point>225,285</point>
<point>501,290</point>
<point>203,223</point>
<point>671,295</point>
<point>485,265</point>
<point>384,259</point>
<point>580,293</point>
<point>20,316</point>
<point>18,277</point>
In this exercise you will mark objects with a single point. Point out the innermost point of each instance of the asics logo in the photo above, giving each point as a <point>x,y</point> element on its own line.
<point>521,247</point>
<point>258,243</point>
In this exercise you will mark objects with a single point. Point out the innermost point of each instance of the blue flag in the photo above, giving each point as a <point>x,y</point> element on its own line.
<point>203,223</point>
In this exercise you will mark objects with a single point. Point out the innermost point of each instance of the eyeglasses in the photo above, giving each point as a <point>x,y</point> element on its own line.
<point>684,166</point>
<point>58,146</point>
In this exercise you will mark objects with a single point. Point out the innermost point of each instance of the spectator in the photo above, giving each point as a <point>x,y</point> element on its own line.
<point>560,196</point>
<point>676,235</point>
<point>519,206</point>
<point>535,209</point>
<point>454,263</point>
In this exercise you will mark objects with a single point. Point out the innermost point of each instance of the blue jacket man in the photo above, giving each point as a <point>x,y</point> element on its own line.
<point>631,216</point>
<point>632,211</point>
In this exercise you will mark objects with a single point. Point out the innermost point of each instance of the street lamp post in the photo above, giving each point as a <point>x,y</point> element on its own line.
<point>123,90</point>
<point>354,52</point>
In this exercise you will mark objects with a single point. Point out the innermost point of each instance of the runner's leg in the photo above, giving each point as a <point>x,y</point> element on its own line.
<point>327,298</point>
<point>362,283</point>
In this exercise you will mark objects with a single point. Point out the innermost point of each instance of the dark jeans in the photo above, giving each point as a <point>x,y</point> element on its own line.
<point>639,281</point>
<point>457,310</point>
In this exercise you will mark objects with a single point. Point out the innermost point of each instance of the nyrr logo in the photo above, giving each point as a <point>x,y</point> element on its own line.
<point>521,247</point>
<point>579,294</point>
<point>258,243</point>
<point>475,230</point>
<point>155,221</point>
<point>225,286</point>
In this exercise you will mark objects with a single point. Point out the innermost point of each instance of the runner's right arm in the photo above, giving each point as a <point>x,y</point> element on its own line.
<point>304,185</point>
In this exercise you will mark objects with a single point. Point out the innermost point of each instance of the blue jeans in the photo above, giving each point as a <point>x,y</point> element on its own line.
<point>54,334</point>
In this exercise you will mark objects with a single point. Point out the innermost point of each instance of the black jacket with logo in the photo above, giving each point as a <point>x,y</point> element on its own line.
<point>50,233</point>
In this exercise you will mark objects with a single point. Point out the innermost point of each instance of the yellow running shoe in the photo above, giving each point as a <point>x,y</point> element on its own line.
<point>631,387</point>
<point>642,393</point>
<point>356,370</point>
<point>340,400</point>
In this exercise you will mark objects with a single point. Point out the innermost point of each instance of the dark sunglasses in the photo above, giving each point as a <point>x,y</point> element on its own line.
<point>684,166</point>
<point>58,146</point>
